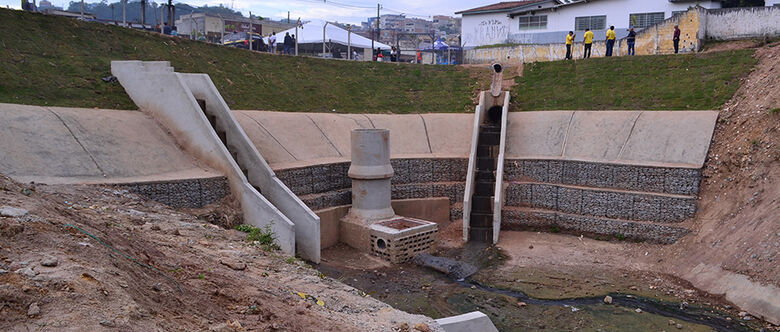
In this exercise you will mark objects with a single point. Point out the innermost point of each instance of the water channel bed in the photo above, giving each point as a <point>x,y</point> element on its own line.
<point>537,298</point>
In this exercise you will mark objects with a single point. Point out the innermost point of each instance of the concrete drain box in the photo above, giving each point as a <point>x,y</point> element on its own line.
<point>400,239</point>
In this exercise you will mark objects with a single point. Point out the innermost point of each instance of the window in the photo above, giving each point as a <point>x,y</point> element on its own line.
<point>590,22</point>
<point>644,20</point>
<point>533,22</point>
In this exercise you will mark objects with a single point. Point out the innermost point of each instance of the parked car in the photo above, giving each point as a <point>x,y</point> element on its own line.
<point>241,40</point>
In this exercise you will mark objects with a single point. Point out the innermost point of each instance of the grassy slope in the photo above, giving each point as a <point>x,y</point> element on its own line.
<point>57,61</point>
<point>656,82</point>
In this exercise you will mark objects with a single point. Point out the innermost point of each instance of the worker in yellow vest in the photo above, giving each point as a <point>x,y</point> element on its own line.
<point>569,42</point>
<point>588,41</point>
<point>610,40</point>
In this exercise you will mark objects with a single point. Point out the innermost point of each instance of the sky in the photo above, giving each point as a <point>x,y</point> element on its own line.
<point>346,11</point>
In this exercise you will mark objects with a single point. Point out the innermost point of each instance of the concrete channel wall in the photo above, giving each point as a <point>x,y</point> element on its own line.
<point>647,162</point>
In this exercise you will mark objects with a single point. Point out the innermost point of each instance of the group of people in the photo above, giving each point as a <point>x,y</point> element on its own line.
<point>288,43</point>
<point>587,40</point>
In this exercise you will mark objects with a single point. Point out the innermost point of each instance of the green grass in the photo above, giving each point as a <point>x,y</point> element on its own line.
<point>58,61</point>
<point>656,82</point>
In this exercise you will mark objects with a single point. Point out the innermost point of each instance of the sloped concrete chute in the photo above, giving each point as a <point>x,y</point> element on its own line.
<point>192,109</point>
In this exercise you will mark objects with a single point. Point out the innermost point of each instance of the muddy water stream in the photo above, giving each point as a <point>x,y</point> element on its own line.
<point>551,306</point>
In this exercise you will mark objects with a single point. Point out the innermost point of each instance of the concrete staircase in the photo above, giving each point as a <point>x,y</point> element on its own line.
<point>191,108</point>
<point>484,189</point>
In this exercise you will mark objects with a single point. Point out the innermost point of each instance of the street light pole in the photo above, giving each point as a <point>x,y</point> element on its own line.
<point>250,31</point>
<point>124,13</point>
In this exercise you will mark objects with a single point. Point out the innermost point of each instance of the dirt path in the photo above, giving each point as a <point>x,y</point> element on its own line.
<point>55,277</point>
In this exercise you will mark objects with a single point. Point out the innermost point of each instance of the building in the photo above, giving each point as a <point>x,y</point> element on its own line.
<point>770,3</point>
<point>548,21</point>
<point>211,26</point>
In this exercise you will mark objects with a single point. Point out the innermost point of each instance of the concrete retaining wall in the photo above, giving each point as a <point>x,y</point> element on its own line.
<point>741,23</point>
<point>648,138</point>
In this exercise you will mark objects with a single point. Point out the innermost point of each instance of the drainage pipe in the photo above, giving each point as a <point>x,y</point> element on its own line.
<point>370,172</point>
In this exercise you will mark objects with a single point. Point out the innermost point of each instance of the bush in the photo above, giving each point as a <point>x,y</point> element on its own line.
<point>264,237</point>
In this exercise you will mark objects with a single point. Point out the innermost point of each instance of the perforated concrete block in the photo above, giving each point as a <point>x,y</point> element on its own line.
<point>398,240</point>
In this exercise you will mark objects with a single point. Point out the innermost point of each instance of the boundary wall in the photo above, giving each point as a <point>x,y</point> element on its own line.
<point>697,25</point>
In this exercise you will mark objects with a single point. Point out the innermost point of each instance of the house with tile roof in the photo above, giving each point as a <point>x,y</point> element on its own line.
<point>548,21</point>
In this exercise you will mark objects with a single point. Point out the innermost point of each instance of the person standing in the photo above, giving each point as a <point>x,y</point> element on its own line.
<point>379,56</point>
<point>676,39</point>
<point>569,42</point>
<point>287,42</point>
<point>611,36</point>
<point>587,39</point>
<point>393,54</point>
<point>419,56</point>
<point>272,42</point>
<point>631,40</point>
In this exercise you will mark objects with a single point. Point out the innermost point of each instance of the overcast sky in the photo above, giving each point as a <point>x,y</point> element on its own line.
<point>316,9</point>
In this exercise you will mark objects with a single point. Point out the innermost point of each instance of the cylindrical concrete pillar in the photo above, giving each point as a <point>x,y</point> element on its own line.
<point>371,172</point>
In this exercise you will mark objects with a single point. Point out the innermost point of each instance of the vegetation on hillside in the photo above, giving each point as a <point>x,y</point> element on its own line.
<point>655,82</point>
<point>51,60</point>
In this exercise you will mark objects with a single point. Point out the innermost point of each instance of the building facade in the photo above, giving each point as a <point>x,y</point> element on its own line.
<point>548,21</point>
<point>211,26</point>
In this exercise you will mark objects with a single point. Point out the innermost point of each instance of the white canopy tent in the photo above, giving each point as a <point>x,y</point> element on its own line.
<point>311,33</point>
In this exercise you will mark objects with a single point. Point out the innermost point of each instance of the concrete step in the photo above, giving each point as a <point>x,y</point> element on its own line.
<point>518,218</point>
<point>486,163</point>
<point>489,138</point>
<point>481,219</point>
<point>486,176</point>
<point>484,188</point>
<point>482,204</point>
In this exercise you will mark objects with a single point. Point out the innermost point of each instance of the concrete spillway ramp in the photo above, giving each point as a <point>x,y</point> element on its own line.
<point>191,108</point>
<point>57,145</point>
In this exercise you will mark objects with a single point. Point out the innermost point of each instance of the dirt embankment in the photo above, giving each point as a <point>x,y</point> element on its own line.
<point>738,223</point>
<point>189,274</point>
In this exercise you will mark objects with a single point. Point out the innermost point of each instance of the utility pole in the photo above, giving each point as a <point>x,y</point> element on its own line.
<point>171,14</point>
<point>162,19</point>
<point>143,14</point>
<point>288,17</point>
<point>349,42</point>
<point>250,31</point>
<point>297,24</point>
<point>124,13</point>
<point>82,9</point>
<point>113,18</point>
<point>377,29</point>
<point>222,30</point>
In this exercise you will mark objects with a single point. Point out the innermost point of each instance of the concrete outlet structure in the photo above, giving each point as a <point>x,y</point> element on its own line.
<point>371,224</point>
<point>371,173</point>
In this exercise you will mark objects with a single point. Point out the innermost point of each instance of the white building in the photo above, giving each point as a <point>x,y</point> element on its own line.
<point>769,3</point>
<point>548,21</point>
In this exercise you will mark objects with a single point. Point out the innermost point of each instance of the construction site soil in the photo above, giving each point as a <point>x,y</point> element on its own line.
<point>88,258</point>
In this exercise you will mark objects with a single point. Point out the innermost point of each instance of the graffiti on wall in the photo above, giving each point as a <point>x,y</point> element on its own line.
<point>491,31</point>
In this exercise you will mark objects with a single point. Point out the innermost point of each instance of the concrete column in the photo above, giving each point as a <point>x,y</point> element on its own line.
<point>370,172</point>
